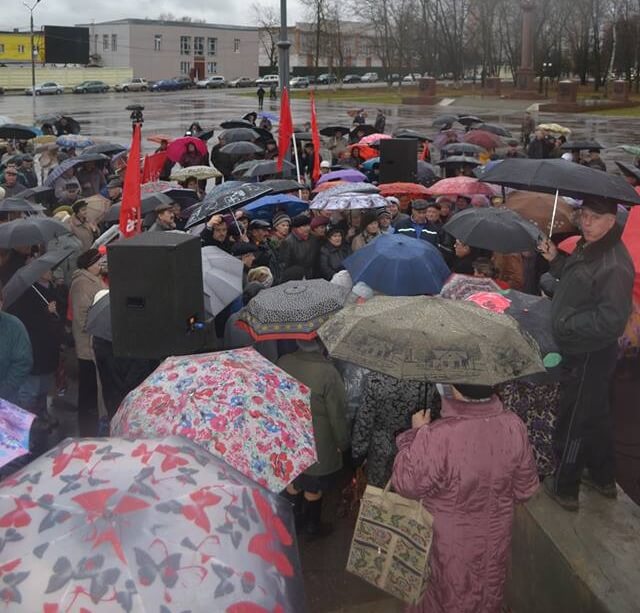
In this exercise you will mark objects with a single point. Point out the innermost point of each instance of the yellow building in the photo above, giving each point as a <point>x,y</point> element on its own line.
<point>14,47</point>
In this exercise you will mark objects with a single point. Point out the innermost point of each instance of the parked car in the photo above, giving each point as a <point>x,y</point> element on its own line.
<point>299,82</point>
<point>326,79</point>
<point>213,82</point>
<point>311,78</point>
<point>268,80</point>
<point>166,85</point>
<point>134,85</point>
<point>91,87</point>
<point>352,78</point>
<point>242,82</point>
<point>411,77</point>
<point>48,88</point>
<point>184,82</point>
<point>369,77</point>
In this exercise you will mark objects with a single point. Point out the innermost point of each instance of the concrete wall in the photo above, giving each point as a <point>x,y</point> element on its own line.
<point>110,58</point>
<point>137,49</point>
<point>19,77</point>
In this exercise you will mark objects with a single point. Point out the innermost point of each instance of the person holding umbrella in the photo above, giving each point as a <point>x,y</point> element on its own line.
<point>590,309</point>
<point>16,356</point>
<point>215,234</point>
<point>246,253</point>
<point>165,218</point>
<point>258,232</point>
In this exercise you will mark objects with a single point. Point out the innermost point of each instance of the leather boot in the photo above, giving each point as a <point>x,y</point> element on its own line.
<point>295,500</point>
<point>313,527</point>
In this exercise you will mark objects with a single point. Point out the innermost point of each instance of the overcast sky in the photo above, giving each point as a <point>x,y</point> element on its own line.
<point>13,14</point>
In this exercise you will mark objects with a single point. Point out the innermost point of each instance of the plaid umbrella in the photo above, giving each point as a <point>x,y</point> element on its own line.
<point>15,424</point>
<point>460,287</point>
<point>236,404</point>
<point>292,310</point>
<point>147,525</point>
<point>430,338</point>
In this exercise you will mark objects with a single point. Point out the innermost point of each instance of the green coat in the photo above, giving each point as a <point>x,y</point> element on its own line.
<point>328,407</point>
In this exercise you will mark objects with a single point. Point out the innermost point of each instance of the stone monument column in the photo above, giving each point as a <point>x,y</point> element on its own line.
<point>526,78</point>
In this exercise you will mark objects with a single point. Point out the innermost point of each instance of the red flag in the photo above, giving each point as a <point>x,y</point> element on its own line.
<point>631,239</point>
<point>315,138</point>
<point>130,207</point>
<point>153,165</point>
<point>285,130</point>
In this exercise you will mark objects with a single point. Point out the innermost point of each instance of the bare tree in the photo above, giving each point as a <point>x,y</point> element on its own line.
<point>268,21</point>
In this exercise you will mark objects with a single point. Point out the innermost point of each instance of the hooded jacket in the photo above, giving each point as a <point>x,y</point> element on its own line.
<point>592,303</point>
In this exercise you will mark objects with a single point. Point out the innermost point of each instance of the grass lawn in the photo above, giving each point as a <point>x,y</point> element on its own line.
<point>630,112</point>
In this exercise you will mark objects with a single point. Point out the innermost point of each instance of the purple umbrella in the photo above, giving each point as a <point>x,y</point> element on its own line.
<point>446,137</point>
<point>350,174</point>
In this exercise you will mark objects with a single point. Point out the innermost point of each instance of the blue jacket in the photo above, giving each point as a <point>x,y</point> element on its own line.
<point>16,357</point>
<point>426,231</point>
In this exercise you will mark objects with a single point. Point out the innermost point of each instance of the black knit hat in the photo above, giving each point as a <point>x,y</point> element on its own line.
<point>300,220</point>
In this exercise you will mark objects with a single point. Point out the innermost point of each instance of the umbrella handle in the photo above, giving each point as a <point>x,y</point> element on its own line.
<point>35,289</point>
<point>553,215</point>
<point>295,156</point>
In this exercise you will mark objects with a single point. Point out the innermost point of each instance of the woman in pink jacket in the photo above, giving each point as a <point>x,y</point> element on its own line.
<point>469,469</point>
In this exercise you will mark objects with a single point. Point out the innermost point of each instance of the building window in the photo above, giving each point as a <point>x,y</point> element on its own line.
<point>185,45</point>
<point>105,42</point>
<point>114,42</point>
<point>157,42</point>
<point>1,48</point>
<point>198,45</point>
<point>185,67</point>
<point>236,45</point>
<point>212,46</point>
<point>20,48</point>
<point>212,67</point>
<point>95,43</point>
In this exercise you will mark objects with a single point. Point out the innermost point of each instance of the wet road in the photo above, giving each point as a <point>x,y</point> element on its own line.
<point>104,115</point>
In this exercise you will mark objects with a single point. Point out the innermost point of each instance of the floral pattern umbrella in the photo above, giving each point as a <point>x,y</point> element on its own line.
<point>236,404</point>
<point>113,525</point>
<point>15,424</point>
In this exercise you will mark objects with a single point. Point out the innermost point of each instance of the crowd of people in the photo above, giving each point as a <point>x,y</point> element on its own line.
<point>474,451</point>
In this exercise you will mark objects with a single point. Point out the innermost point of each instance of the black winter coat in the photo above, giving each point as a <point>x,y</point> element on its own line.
<point>331,259</point>
<point>592,303</point>
<point>296,252</point>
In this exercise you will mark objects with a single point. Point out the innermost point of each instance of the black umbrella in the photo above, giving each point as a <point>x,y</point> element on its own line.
<point>563,177</point>
<point>461,149</point>
<point>18,204</point>
<point>412,134</point>
<point>331,130</point>
<point>577,145</point>
<point>99,319</point>
<point>282,186</point>
<point>92,157</point>
<point>182,197</point>
<point>365,128</point>
<point>104,148</point>
<point>444,121</point>
<point>500,230</point>
<point>240,148</point>
<point>264,134</point>
<point>71,126</point>
<point>236,123</point>
<point>42,194</point>
<point>303,136</point>
<point>426,173</point>
<point>628,170</point>
<point>250,114</point>
<point>228,200</point>
<point>469,120</point>
<point>26,276</point>
<point>30,231</point>
<point>148,204</point>
<point>263,168</point>
<point>459,159</point>
<point>205,135</point>
<point>236,135</point>
<point>17,131</point>
<point>494,129</point>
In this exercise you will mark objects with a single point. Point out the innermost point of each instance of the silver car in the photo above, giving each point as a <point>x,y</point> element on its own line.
<point>47,88</point>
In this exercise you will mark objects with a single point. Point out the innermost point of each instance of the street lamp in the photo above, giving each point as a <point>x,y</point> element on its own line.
<point>31,8</point>
<point>546,71</point>
<point>283,47</point>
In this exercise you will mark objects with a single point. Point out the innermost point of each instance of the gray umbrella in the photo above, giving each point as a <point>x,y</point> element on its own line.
<point>263,168</point>
<point>99,319</point>
<point>459,159</point>
<point>148,205</point>
<point>240,148</point>
<point>105,148</point>
<point>221,278</point>
<point>235,135</point>
<point>26,276</point>
<point>17,204</point>
<point>31,231</point>
<point>293,310</point>
<point>282,186</point>
<point>461,149</point>
<point>432,339</point>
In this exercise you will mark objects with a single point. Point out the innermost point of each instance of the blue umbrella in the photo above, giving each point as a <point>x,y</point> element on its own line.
<point>266,207</point>
<point>370,163</point>
<point>272,117</point>
<point>399,265</point>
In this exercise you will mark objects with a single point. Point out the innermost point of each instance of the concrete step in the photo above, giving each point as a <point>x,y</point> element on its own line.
<point>585,562</point>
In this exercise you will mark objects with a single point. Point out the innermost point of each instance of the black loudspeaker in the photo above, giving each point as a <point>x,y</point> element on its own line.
<point>398,160</point>
<point>156,296</point>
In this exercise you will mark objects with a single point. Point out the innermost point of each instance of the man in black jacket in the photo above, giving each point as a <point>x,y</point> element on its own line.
<point>418,226</point>
<point>298,249</point>
<point>590,309</point>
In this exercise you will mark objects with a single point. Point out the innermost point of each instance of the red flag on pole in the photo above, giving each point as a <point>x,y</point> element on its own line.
<point>153,165</point>
<point>315,138</point>
<point>130,207</point>
<point>285,130</point>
